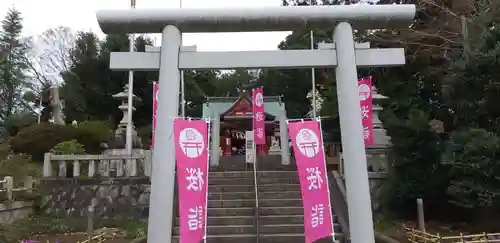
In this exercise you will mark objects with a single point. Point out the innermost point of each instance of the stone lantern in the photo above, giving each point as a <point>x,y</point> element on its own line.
<point>121,130</point>
<point>377,153</point>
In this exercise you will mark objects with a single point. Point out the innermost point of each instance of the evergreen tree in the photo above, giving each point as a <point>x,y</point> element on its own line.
<point>14,65</point>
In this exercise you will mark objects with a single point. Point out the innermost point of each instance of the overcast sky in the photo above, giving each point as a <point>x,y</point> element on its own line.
<point>40,15</point>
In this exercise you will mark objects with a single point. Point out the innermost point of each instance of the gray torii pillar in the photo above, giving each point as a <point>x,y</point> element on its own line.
<point>163,174</point>
<point>356,173</point>
<point>285,152</point>
<point>215,149</point>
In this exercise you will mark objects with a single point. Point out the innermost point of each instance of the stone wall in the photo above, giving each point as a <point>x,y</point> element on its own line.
<point>111,197</point>
<point>10,212</point>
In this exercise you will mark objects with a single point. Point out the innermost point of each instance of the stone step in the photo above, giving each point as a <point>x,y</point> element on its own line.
<point>230,188</point>
<point>290,220</point>
<point>230,195</point>
<point>226,220</point>
<point>278,180</point>
<point>288,228</point>
<point>237,163</point>
<point>251,195</point>
<point>263,238</point>
<point>277,174</point>
<point>236,203</point>
<point>250,220</point>
<point>250,188</point>
<point>225,229</point>
<point>277,214</point>
<point>250,181</point>
<point>280,202</point>
<point>281,219</point>
<point>233,203</point>
<point>288,194</point>
<point>250,229</point>
<point>281,211</point>
<point>247,211</point>
<point>249,174</point>
<point>230,181</point>
<point>278,187</point>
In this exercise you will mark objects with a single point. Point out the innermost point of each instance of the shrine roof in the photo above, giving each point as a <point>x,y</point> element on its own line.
<point>229,106</point>
<point>233,99</point>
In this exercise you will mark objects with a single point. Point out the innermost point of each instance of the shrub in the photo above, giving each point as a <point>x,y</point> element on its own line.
<point>17,165</point>
<point>41,138</point>
<point>19,121</point>
<point>69,147</point>
<point>473,159</point>
<point>100,130</point>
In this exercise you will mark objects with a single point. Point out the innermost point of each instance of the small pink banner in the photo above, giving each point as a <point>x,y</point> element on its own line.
<point>365,97</point>
<point>308,150</point>
<point>155,107</point>
<point>191,153</point>
<point>259,116</point>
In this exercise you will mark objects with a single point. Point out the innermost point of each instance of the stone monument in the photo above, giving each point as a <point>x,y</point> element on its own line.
<point>121,130</point>
<point>275,148</point>
<point>117,146</point>
<point>376,154</point>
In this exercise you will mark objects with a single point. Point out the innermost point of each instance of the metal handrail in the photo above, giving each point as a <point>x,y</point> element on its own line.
<point>257,212</point>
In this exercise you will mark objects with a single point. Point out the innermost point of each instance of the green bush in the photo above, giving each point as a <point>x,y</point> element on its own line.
<point>473,159</point>
<point>39,139</point>
<point>69,147</point>
<point>17,165</point>
<point>19,121</point>
<point>100,130</point>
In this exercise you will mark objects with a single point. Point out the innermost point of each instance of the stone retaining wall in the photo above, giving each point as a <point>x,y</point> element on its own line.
<point>10,212</point>
<point>111,197</point>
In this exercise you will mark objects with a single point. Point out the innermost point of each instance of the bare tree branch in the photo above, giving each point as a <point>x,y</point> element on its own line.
<point>51,56</point>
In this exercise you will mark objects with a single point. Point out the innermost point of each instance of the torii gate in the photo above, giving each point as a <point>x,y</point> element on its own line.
<point>172,58</point>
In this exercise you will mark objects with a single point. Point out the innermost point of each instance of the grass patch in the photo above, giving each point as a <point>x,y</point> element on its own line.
<point>47,225</point>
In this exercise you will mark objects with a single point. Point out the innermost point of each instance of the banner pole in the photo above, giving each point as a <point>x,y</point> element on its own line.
<point>208,168</point>
<point>256,189</point>
<point>326,178</point>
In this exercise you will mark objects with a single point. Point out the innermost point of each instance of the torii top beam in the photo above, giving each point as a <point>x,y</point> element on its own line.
<point>361,16</point>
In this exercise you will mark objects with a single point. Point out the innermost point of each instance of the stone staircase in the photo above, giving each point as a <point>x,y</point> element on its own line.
<point>281,212</point>
<point>232,213</point>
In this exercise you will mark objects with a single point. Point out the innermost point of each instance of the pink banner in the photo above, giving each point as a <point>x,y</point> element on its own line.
<point>308,150</point>
<point>191,153</point>
<point>259,116</point>
<point>365,97</point>
<point>155,107</point>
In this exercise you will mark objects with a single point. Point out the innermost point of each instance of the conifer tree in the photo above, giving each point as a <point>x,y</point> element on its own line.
<point>14,64</point>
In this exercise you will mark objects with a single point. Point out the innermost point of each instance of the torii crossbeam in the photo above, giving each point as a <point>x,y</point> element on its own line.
<point>344,57</point>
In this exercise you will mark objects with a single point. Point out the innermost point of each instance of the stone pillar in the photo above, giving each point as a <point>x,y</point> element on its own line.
<point>163,176</point>
<point>215,154</point>
<point>285,151</point>
<point>358,191</point>
<point>57,112</point>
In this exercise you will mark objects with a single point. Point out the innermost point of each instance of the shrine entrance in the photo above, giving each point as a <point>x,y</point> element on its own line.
<point>342,54</point>
<point>235,120</point>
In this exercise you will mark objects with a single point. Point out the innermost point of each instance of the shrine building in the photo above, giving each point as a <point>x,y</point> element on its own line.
<point>233,118</point>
